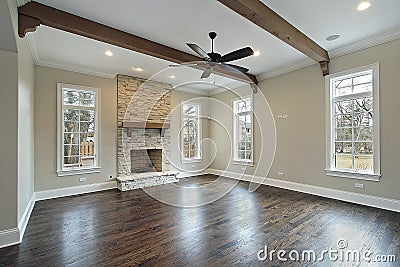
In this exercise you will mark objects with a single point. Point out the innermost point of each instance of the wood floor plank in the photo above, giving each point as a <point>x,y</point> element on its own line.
<point>113,228</point>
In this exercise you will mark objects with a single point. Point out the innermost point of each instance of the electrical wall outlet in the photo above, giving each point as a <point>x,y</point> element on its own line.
<point>281,174</point>
<point>82,179</point>
<point>357,185</point>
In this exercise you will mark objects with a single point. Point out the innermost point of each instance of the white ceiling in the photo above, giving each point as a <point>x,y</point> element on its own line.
<point>175,22</point>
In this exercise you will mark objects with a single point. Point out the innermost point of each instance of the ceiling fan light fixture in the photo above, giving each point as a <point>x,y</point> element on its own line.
<point>363,6</point>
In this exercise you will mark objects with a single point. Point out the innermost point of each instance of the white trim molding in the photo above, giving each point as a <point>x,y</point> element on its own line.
<point>369,42</point>
<point>189,174</point>
<point>304,63</point>
<point>23,223</point>
<point>22,2</point>
<point>357,198</point>
<point>9,237</point>
<point>331,170</point>
<point>75,190</point>
<point>14,236</point>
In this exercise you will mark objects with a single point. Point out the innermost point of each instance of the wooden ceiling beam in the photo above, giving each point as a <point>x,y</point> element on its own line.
<point>32,14</point>
<point>267,19</point>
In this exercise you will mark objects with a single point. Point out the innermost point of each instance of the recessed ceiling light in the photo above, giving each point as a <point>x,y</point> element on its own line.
<point>138,69</point>
<point>363,5</point>
<point>109,53</point>
<point>257,53</point>
<point>333,37</point>
<point>172,76</point>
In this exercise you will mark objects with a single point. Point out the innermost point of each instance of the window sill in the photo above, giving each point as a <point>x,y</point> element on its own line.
<point>187,161</point>
<point>243,162</point>
<point>354,175</point>
<point>78,171</point>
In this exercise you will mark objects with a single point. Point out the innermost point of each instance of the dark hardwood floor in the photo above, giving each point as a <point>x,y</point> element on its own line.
<point>113,228</point>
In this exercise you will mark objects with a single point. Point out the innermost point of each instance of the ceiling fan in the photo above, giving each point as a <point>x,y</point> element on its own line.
<point>214,60</point>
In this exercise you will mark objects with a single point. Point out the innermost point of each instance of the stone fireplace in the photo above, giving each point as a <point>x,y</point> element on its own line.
<point>143,133</point>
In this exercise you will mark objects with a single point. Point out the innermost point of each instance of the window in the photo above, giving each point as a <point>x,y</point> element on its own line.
<point>353,137</point>
<point>77,130</point>
<point>190,132</point>
<point>243,130</point>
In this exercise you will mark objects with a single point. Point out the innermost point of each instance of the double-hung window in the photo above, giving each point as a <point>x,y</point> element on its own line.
<point>243,130</point>
<point>190,132</point>
<point>77,130</point>
<point>353,123</point>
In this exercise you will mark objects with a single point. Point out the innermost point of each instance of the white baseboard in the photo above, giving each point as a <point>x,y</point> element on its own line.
<point>357,198</point>
<point>23,223</point>
<point>191,174</point>
<point>75,190</point>
<point>14,236</point>
<point>9,237</point>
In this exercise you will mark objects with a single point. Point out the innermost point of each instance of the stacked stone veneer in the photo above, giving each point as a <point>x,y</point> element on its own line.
<point>142,101</point>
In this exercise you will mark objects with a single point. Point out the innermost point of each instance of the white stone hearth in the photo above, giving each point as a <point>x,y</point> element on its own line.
<point>146,179</point>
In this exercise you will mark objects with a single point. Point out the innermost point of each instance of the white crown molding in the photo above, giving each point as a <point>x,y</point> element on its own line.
<point>35,51</point>
<point>34,46</point>
<point>285,69</point>
<point>77,69</point>
<point>192,90</point>
<point>381,38</point>
<point>228,88</point>
<point>378,39</point>
<point>75,190</point>
<point>357,198</point>
<point>217,91</point>
<point>22,2</point>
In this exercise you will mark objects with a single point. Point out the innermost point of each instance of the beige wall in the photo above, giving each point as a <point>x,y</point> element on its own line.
<point>300,152</point>
<point>46,80</point>
<point>9,139</point>
<point>221,131</point>
<point>177,97</point>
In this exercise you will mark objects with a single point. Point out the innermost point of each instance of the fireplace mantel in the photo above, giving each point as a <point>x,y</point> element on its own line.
<point>145,125</point>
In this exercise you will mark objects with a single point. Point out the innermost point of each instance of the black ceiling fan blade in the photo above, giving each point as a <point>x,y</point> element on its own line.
<point>239,68</point>
<point>198,50</point>
<point>207,72</point>
<point>238,54</point>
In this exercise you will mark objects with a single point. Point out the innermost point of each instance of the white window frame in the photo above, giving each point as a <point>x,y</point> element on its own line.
<point>198,158</point>
<point>236,160</point>
<point>375,174</point>
<point>66,171</point>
